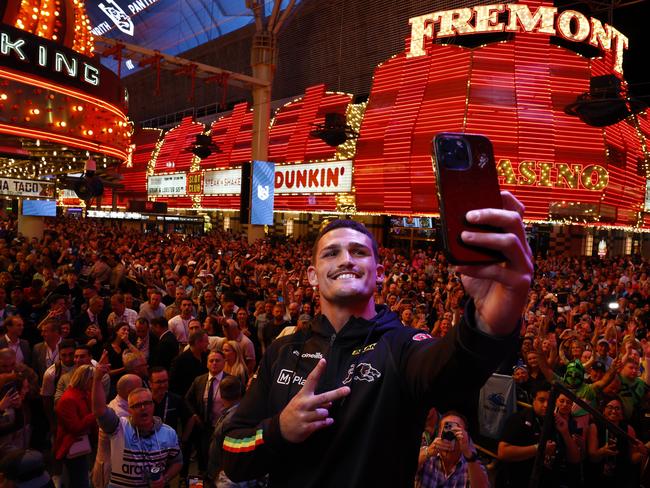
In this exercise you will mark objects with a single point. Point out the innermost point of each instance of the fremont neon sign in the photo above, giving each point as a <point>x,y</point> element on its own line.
<point>570,24</point>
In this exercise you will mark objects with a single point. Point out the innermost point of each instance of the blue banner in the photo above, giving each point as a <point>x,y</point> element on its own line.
<point>262,193</point>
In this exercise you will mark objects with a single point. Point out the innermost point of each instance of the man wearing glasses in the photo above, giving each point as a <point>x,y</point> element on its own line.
<point>144,451</point>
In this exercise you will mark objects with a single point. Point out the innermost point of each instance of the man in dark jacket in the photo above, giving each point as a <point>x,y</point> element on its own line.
<point>333,404</point>
<point>165,349</point>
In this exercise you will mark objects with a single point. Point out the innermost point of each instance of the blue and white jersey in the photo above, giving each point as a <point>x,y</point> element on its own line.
<point>133,455</point>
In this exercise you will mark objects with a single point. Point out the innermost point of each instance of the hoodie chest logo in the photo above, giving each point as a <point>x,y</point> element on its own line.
<point>361,350</point>
<point>364,372</point>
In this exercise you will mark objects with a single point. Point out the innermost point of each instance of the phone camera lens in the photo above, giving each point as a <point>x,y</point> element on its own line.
<point>454,153</point>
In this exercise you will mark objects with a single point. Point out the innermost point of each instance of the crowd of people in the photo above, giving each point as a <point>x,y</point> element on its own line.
<point>157,338</point>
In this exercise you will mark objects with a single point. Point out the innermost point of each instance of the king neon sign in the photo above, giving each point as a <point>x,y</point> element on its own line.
<point>570,24</point>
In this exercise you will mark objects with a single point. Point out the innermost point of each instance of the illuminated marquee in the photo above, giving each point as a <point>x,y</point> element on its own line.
<point>574,176</point>
<point>570,24</point>
<point>28,50</point>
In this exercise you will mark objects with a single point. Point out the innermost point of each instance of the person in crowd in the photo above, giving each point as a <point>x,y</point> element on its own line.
<point>205,407</point>
<point>232,332</point>
<point>120,313</point>
<point>15,429</point>
<point>346,268</point>
<point>175,308</point>
<point>75,427</point>
<point>46,353</point>
<point>208,306</point>
<point>168,406</point>
<point>81,357</point>
<point>235,364</point>
<point>451,459</point>
<point>93,315</point>
<point>144,451</point>
<point>166,349</point>
<point>520,441</point>
<point>63,364</point>
<point>102,468</point>
<point>612,457</point>
<point>6,309</point>
<point>170,293</point>
<point>179,324</point>
<point>273,328</point>
<point>152,308</point>
<point>14,327</point>
<point>24,467</point>
<point>189,364</point>
<point>118,343</point>
<point>145,339</point>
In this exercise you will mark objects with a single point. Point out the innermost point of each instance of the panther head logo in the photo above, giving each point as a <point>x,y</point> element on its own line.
<point>364,372</point>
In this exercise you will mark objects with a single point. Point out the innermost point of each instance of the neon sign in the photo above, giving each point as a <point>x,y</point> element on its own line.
<point>570,24</point>
<point>28,50</point>
<point>561,175</point>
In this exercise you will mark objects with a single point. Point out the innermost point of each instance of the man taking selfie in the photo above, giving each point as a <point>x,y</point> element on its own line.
<point>333,404</point>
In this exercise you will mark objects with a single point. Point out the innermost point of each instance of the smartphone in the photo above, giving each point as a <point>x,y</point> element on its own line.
<point>466,179</point>
<point>447,432</point>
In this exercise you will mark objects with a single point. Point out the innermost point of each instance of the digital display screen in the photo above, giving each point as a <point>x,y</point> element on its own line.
<point>39,208</point>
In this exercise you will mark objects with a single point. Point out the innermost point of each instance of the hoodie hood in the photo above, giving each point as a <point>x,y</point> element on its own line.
<point>356,329</point>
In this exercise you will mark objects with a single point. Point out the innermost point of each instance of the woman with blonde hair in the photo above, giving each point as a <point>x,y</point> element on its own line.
<point>75,424</point>
<point>235,362</point>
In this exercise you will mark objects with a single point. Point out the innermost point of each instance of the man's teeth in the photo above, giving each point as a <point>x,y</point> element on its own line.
<point>346,276</point>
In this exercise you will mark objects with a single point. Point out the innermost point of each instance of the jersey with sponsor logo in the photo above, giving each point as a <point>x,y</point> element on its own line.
<point>133,455</point>
<point>395,374</point>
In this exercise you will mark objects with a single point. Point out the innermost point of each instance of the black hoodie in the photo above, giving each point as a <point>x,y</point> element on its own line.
<point>400,373</point>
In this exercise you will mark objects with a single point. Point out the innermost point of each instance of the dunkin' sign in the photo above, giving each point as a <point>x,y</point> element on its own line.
<point>312,178</point>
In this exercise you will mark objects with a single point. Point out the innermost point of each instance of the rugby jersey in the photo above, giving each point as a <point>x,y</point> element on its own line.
<point>133,455</point>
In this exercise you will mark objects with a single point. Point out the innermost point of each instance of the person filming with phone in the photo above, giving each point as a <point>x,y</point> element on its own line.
<point>333,404</point>
<point>451,459</point>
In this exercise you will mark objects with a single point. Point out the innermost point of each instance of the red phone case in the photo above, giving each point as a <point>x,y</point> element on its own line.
<point>460,191</point>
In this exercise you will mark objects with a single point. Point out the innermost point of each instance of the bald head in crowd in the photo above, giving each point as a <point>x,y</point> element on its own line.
<point>126,384</point>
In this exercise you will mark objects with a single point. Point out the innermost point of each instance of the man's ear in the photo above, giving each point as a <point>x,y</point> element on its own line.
<point>312,276</point>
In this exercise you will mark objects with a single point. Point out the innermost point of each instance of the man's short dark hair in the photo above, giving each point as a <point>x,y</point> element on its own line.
<point>543,386</point>
<point>157,369</point>
<point>230,388</point>
<point>160,322</point>
<point>346,224</point>
<point>67,344</point>
<point>85,347</point>
<point>196,336</point>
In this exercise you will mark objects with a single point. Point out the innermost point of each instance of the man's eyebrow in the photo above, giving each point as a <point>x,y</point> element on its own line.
<point>349,244</point>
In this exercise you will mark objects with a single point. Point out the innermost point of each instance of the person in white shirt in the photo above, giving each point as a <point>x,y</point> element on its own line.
<point>179,324</point>
<point>120,313</point>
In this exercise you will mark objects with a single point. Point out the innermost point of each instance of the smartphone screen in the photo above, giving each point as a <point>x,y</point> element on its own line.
<point>466,179</point>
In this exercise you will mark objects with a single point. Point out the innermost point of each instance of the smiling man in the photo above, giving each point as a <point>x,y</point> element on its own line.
<point>334,403</point>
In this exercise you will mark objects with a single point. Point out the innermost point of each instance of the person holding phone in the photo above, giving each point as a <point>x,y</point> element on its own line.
<point>451,459</point>
<point>326,399</point>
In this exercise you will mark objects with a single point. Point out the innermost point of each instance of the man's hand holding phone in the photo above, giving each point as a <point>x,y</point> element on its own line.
<point>499,290</point>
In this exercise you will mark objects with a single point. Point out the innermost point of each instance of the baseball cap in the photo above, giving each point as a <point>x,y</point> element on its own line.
<point>603,341</point>
<point>598,366</point>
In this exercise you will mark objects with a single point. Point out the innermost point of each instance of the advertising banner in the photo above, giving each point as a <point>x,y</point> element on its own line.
<point>171,184</point>
<point>26,188</point>
<point>262,193</point>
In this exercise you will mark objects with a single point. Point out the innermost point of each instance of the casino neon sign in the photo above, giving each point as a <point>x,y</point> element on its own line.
<point>591,177</point>
<point>570,24</point>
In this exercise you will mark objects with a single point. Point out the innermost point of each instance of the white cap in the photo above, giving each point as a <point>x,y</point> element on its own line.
<point>91,165</point>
